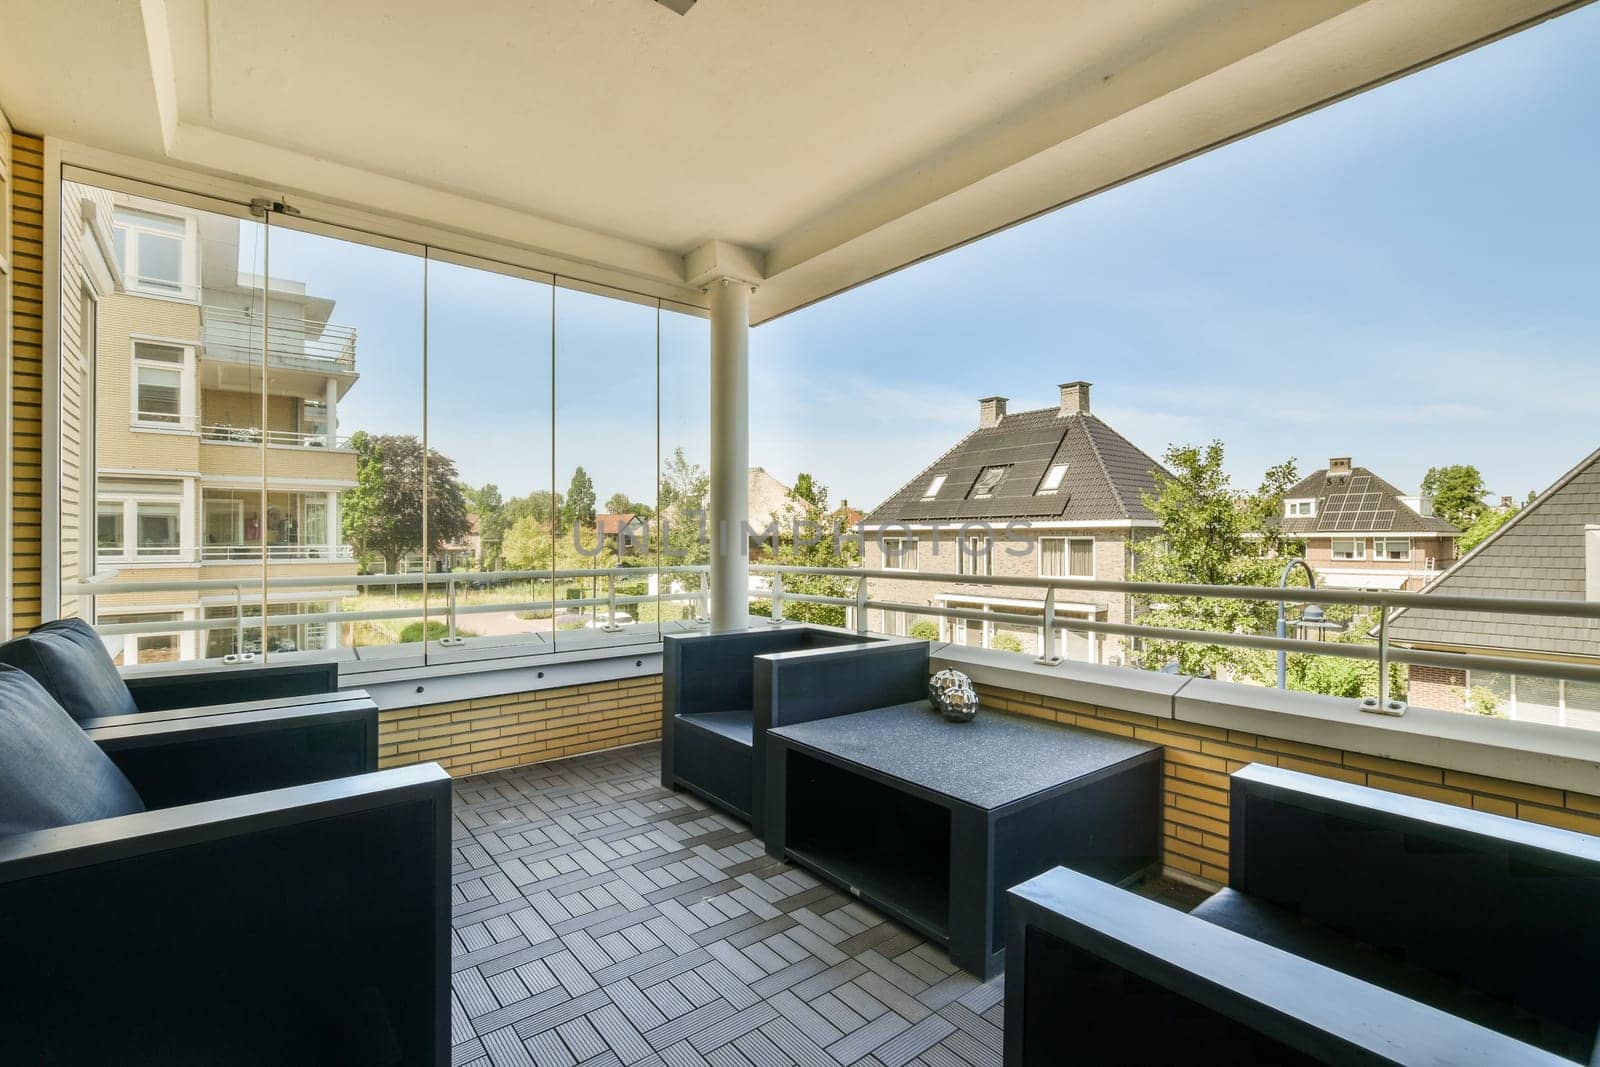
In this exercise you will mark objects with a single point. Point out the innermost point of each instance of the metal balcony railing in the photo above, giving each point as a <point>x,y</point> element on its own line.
<point>236,336</point>
<point>443,604</point>
<point>251,435</point>
<point>277,553</point>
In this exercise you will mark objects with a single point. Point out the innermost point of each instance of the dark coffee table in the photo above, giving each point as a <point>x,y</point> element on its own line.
<point>931,822</point>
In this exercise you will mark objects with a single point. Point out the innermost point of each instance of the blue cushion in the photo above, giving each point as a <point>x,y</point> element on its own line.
<point>68,658</point>
<point>51,774</point>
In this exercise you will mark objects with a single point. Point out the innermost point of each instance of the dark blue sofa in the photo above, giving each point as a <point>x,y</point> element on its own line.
<point>721,692</point>
<point>1358,926</point>
<point>217,888</point>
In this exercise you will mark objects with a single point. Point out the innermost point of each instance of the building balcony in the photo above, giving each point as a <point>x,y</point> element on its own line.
<point>235,336</point>
<point>277,553</point>
<point>251,435</point>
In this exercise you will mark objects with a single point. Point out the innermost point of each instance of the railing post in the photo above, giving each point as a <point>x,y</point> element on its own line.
<point>238,621</point>
<point>861,605</point>
<point>611,626</point>
<point>451,638</point>
<point>777,599</point>
<point>1383,705</point>
<point>1047,650</point>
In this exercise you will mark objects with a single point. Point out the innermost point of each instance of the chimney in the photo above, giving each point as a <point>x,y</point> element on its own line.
<point>991,409</point>
<point>1505,503</point>
<point>1338,466</point>
<point>1075,398</point>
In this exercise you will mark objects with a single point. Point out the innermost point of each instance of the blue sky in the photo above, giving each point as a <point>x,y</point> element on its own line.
<point>1411,277</point>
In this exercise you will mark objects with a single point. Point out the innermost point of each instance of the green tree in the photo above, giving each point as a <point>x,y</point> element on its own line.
<point>1457,492</point>
<point>813,535</point>
<point>529,544</point>
<point>489,508</point>
<point>1488,521</point>
<point>683,492</point>
<point>382,515</point>
<point>622,504</point>
<point>1211,535</point>
<point>579,510</point>
<point>541,505</point>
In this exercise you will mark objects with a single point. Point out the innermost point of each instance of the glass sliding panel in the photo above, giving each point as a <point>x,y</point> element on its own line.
<point>343,525</point>
<point>135,370</point>
<point>685,470</point>
<point>605,462</point>
<point>489,418</point>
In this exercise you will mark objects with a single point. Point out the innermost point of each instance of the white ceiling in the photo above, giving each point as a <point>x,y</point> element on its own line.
<point>832,140</point>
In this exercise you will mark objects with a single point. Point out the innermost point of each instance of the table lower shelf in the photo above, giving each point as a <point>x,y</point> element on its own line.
<point>914,902</point>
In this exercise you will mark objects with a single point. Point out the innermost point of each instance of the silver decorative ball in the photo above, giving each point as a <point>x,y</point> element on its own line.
<point>952,695</point>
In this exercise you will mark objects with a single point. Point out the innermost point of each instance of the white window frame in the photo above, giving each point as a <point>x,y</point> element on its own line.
<point>1053,477</point>
<point>1380,549</point>
<point>975,556</point>
<point>895,557</point>
<point>129,501</point>
<point>1300,508</point>
<point>1066,557</point>
<point>186,384</point>
<point>936,484</point>
<point>1360,544</point>
<point>124,218</point>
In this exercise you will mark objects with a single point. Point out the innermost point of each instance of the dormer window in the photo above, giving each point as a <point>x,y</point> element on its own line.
<point>934,487</point>
<point>989,480</point>
<point>1299,509</point>
<point>1053,479</point>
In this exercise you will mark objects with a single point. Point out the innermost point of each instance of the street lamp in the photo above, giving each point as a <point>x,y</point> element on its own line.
<point>1312,618</point>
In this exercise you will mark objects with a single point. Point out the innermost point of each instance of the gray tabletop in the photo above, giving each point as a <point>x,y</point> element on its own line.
<point>991,761</point>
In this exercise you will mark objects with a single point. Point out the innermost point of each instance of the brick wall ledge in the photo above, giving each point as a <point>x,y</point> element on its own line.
<point>1551,756</point>
<point>482,679</point>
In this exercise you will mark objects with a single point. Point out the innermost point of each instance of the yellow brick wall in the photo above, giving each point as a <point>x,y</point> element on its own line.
<point>1198,759</point>
<point>471,736</point>
<point>27,377</point>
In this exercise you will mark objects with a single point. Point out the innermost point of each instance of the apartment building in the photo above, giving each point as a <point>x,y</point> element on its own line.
<point>1052,492</point>
<point>1360,532</point>
<point>198,465</point>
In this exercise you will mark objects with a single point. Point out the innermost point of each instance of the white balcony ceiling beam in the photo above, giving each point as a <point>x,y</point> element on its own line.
<point>819,144</point>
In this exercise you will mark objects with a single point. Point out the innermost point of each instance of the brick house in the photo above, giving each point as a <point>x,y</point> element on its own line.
<point>1550,549</point>
<point>1361,532</point>
<point>1049,492</point>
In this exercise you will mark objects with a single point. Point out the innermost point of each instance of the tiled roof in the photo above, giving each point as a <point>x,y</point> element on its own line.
<point>1539,553</point>
<point>1105,480</point>
<point>1358,502</point>
<point>611,525</point>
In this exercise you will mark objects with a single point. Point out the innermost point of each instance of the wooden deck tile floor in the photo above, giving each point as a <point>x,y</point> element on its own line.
<point>600,919</point>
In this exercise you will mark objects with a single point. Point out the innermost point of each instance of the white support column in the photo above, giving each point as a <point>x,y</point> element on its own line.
<point>730,454</point>
<point>330,398</point>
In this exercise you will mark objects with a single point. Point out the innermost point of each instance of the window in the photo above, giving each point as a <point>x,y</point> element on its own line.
<point>1066,557</point>
<point>161,396</point>
<point>142,647</point>
<point>139,519</point>
<point>1052,479</point>
<point>153,251</point>
<point>975,556</point>
<point>1394,549</point>
<point>989,480</point>
<point>108,530</point>
<point>314,424</point>
<point>1347,549</point>
<point>1299,509</point>
<point>899,554</point>
<point>934,487</point>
